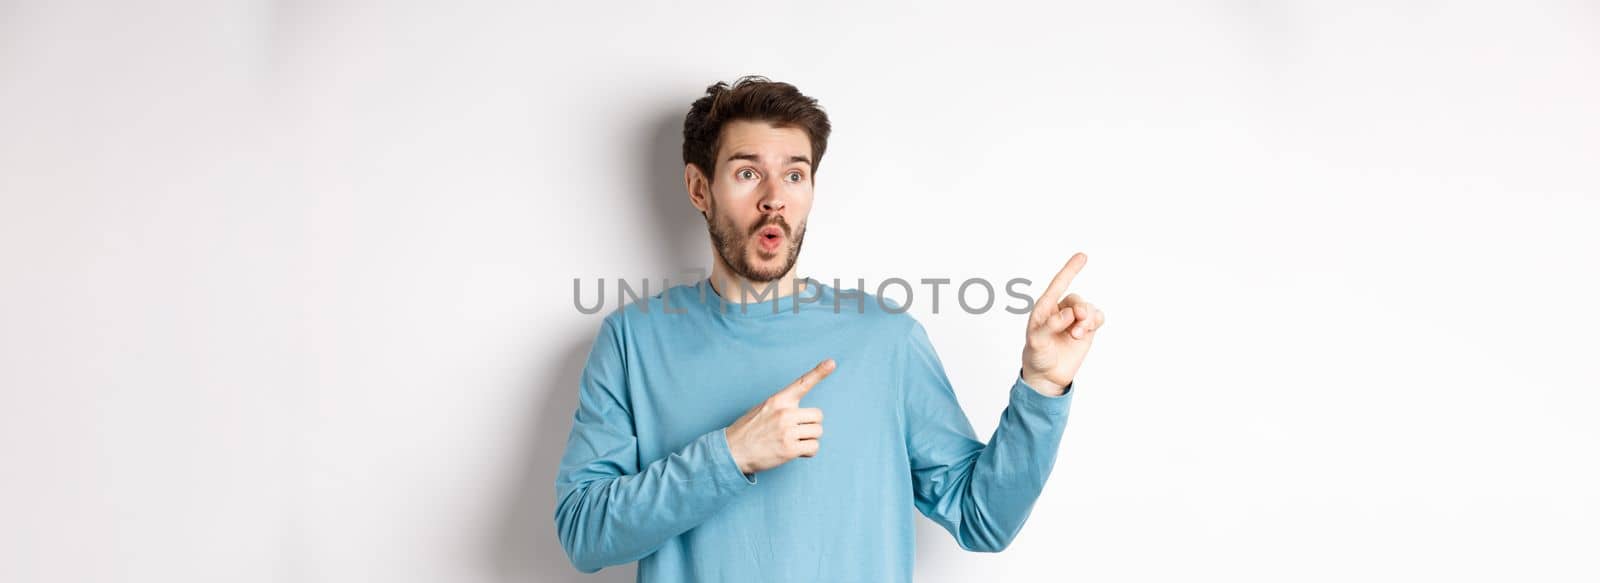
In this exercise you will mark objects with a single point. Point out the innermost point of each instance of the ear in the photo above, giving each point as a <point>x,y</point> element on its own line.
<point>699,188</point>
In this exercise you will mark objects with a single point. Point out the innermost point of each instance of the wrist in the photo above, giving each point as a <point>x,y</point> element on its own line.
<point>733,451</point>
<point>1042,385</point>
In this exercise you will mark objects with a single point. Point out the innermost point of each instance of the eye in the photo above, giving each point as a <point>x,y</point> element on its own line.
<point>797,176</point>
<point>744,171</point>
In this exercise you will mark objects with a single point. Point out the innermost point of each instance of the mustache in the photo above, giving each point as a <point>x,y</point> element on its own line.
<point>775,220</point>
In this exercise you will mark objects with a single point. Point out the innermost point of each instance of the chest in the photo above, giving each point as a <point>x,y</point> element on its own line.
<point>682,391</point>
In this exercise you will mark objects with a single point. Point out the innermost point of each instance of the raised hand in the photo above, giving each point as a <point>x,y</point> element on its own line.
<point>779,429</point>
<point>1059,333</point>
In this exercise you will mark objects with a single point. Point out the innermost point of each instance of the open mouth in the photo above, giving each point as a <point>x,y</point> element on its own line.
<point>770,238</point>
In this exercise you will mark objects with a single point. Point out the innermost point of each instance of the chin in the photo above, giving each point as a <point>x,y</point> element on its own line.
<point>765,270</point>
<point>775,262</point>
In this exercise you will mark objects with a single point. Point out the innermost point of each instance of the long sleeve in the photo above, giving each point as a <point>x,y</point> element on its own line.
<point>609,510</point>
<point>982,494</point>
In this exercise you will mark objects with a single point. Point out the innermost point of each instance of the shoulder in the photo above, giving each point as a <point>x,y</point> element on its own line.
<point>636,315</point>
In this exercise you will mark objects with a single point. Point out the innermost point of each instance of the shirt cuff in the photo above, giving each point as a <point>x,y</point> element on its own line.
<point>1024,395</point>
<point>728,475</point>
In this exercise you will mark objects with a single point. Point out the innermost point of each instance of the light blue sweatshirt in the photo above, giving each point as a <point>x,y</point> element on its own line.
<point>647,474</point>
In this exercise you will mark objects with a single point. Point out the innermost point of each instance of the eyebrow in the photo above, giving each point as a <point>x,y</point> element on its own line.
<point>755,158</point>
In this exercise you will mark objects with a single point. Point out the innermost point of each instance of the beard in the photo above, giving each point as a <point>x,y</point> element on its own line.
<point>735,245</point>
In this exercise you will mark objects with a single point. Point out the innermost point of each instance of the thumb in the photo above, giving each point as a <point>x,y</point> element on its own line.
<point>804,384</point>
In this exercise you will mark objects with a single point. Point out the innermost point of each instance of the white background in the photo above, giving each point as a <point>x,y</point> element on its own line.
<point>286,289</point>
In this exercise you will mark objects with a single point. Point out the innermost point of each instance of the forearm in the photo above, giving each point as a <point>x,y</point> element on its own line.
<point>1010,472</point>
<point>610,520</point>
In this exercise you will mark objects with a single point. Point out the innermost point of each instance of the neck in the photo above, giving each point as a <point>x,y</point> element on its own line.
<point>732,286</point>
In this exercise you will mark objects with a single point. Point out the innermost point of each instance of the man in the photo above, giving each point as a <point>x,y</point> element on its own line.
<point>696,448</point>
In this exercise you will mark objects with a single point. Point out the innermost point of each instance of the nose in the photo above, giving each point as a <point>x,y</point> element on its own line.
<point>772,200</point>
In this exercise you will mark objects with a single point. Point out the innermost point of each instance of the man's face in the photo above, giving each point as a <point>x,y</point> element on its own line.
<point>757,209</point>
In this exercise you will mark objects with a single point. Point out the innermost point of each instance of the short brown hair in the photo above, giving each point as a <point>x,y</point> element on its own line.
<point>756,98</point>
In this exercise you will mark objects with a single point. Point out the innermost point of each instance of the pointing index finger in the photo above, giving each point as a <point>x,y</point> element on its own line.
<point>804,384</point>
<point>1060,282</point>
